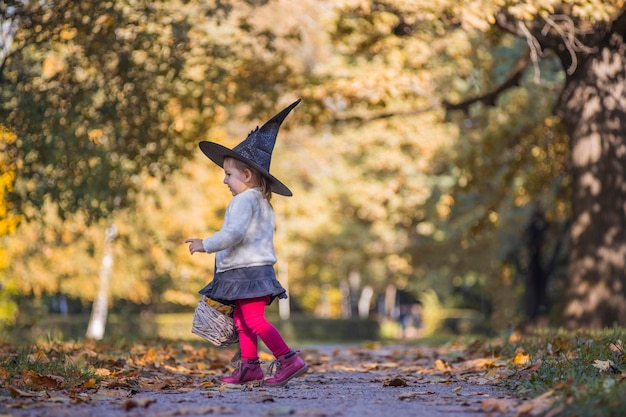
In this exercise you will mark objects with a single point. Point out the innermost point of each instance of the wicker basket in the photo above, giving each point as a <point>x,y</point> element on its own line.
<point>212,321</point>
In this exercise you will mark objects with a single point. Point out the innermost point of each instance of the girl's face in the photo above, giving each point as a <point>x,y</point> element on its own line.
<point>236,180</point>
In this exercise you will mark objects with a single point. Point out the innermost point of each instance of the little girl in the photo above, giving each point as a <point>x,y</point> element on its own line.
<point>244,253</point>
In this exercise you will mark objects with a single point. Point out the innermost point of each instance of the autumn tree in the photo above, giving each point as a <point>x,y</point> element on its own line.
<point>589,40</point>
<point>101,94</point>
<point>586,38</point>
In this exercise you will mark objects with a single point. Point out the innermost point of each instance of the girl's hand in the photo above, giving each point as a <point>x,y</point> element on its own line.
<point>195,245</point>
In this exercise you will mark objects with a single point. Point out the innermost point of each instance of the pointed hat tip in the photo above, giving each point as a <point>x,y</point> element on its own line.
<point>281,115</point>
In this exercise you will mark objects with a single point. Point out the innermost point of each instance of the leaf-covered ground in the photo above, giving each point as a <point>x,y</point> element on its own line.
<point>180,378</point>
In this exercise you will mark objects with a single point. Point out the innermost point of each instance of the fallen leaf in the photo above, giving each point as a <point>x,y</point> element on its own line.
<point>606,366</point>
<point>413,395</point>
<point>16,393</point>
<point>102,372</point>
<point>559,345</point>
<point>395,382</point>
<point>139,402</point>
<point>38,356</point>
<point>441,365</point>
<point>536,406</point>
<point>521,358</point>
<point>117,393</point>
<point>91,384</point>
<point>499,405</point>
<point>617,348</point>
<point>59,400</point>
<point>37,380</point>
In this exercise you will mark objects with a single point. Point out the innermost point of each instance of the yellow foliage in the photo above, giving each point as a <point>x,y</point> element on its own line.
<point>7,180</point>
<point>8,221</point>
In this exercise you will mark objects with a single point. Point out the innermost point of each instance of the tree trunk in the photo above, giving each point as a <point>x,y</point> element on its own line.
<point>100,309</point>
<point>365,301</point>
<point>593,107</point>
<point>537,275</point>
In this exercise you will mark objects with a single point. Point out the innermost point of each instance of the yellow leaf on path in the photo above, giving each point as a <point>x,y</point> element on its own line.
<point>149,357</point>
<point>521,358</point>
<point>91,384</point>
<point>441,365</point>
<point>102,372</point>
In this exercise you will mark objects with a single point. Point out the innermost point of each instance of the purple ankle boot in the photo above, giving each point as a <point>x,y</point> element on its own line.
<point>288,366</point>
<point>246,371</point>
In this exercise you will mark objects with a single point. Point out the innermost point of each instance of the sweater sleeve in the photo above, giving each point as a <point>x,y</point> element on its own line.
<point>236,221</point>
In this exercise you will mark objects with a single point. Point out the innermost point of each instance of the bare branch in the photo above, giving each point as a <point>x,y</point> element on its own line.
<point>365,120</point>
<point>513,80</point>
<point>535,50</point>
<point>568,33</point>
<point>557,32</point>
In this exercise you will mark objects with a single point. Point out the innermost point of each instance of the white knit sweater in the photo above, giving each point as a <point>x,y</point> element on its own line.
<point>247,235</point>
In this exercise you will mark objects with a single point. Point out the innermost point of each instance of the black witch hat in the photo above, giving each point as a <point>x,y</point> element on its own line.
<point>255,150</point>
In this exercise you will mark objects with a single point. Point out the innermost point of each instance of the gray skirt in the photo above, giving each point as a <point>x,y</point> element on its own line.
<point>241,283</point>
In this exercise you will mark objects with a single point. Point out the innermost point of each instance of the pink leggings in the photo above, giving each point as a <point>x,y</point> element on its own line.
<point>250,321</point>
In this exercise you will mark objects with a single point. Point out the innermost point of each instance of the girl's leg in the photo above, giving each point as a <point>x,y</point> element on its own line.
<point>249,318</point>
<point>248,341</point>
<point>249,369</point>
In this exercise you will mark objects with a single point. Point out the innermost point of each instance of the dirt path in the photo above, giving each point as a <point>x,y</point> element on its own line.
<point>343,381</point>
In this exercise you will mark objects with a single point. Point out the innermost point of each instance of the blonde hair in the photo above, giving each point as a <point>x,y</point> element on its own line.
<point>263,181</point>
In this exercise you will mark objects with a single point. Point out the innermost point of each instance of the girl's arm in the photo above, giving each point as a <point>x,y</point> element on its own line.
<point>236,222</point>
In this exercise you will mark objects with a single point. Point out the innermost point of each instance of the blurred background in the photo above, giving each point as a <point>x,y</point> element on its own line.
<point>444,179</point>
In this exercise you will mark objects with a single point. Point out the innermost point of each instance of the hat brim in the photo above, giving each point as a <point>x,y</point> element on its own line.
<point>216,153</point>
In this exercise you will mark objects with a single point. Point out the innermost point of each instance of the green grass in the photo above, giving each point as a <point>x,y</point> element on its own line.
<point>563,362</point>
